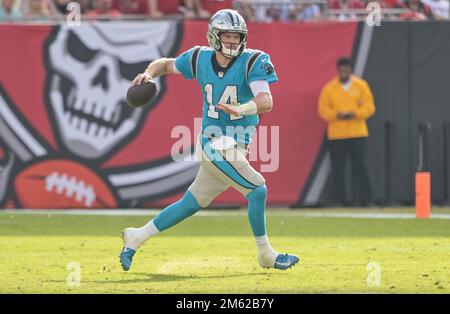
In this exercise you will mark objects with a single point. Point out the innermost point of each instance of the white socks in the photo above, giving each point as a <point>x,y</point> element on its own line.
<point>150,229</point>
<point>266,254</point>
<point>135,237</point>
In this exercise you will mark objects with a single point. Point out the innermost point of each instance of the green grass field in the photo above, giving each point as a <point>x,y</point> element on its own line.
<point>216,254</point>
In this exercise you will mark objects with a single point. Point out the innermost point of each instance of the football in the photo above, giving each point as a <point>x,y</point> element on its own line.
<point>142,95</point>
<point>59,183</point>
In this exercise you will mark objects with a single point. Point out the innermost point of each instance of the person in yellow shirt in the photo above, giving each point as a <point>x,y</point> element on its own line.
<point>345,103</point>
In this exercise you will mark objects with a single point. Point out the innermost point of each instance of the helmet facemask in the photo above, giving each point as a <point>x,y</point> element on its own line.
<point>220,46</point>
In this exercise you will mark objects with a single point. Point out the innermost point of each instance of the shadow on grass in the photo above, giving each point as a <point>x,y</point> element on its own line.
<point>147,277</point>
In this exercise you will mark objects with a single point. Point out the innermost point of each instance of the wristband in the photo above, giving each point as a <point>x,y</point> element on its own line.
<point>248,109</point>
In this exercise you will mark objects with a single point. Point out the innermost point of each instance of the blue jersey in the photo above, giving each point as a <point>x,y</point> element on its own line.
<point>226,85</point>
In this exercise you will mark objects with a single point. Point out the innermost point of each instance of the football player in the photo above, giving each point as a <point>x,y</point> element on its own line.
<point>235,85</point>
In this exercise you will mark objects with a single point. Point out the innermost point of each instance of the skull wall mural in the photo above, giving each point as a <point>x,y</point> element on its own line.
<point>87,72</point>
<point>90,67</point>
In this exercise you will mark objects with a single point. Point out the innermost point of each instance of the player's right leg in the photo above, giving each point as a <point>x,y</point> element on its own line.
<point>232,167</point>
<point>201,192</point>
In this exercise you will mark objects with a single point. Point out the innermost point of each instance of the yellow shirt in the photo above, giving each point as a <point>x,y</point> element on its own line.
<point>358,99</point>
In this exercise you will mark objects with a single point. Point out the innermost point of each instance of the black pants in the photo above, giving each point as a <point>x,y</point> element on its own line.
<point>354,148</point>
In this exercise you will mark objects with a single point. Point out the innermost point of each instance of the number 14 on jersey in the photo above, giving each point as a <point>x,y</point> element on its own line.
<point>229,96</point>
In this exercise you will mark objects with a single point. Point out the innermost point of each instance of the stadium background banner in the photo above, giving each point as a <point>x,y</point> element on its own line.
<point>68,139</point>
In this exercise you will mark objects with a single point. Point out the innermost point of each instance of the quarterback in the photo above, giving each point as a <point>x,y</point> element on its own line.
<point>235,85</point>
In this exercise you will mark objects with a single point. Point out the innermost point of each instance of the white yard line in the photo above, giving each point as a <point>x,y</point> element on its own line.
<point>297,213</point>
<point>372,215</point>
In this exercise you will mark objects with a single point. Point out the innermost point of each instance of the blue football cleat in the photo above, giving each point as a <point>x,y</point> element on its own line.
<point>285,261</point>
<point>126,257</point>
<point>131,242</point>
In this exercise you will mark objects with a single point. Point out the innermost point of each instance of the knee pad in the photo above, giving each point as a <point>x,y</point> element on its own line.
<point>260,193</point>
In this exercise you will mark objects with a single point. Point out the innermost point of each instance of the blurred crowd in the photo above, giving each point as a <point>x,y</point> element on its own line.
<point>264,11</point>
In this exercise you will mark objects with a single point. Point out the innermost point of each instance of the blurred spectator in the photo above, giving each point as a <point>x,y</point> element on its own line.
<point>142,7</point>
<point>264,11</point>
<point>85,6</point>
<point>9,10</point>
<point>166,7</point>
<point>193,9</point>
<point>279,11</point>
<point>345,4</point>
<point>61,6</point>
<point>392,3</point>
<point>345,103</point>
<point>245,8</point>
<point>103,7</point>
<point>418,11</point>
<point>212,6</point>
<point>439,8</point>
<point>305,12</point>
<point>154,9</point>
<point>37,9</point>
<point>383,4</point>
<point>282,10</point>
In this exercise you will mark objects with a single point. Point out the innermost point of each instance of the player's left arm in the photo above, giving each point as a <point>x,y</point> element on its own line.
<point>261,103</point>
<point>261,74</point>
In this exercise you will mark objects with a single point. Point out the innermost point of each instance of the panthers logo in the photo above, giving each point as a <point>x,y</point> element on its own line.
<point>268,68</point>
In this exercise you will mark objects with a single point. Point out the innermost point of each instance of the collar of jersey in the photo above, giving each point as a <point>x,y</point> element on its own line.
<point>217,68</point>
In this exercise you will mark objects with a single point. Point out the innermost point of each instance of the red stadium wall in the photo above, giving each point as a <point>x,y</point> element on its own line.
<point>41,169</point>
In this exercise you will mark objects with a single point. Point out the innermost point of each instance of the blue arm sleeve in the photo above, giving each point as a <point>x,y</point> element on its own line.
<point>263,70</point>
<point>184,64</point>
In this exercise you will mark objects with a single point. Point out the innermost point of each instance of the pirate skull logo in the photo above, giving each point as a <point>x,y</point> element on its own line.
<point>88,71</point>
<point>91,67</point>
